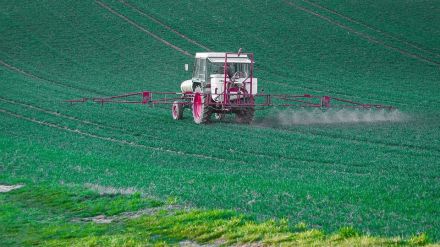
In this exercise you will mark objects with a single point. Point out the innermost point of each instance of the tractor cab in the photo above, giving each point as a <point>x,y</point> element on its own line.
<point>209,65</point>
<point>219,72</point>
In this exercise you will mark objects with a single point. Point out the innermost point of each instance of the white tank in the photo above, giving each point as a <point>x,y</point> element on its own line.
<point>186,86</point>
<point>217,87</point>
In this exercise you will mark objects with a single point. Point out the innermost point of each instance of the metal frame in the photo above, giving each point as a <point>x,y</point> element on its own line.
<point>226,96</point>
<point>261,100</point>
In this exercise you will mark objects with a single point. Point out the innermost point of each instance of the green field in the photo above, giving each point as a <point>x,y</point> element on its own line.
<point>383,178</point>
<point>71,215</point>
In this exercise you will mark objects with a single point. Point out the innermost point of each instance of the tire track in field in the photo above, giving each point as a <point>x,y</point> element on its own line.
<point>135,8</point>
<point>102,126</point>
<point>259,154</point>
<point>363,35</point>
<point>126,131</point>
<point>134,144</point>
<point>306,134</point>
<point>377,30</point>
<point>254,153</point>
<point>72,118</point>
<point>30,75</point>
<point>143,29</point>
<point>59,52</point>
<point>355,140</point>
<point>328,163</point>
<point>110,139</point>
<point>96,42</point>
<point>137,145</point>
<point>139,11</point>
<point>58,114</point>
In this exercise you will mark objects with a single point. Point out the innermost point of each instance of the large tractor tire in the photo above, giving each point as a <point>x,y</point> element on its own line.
<point>245,115</point>
<point>177,110</point>
<point>200,109</point>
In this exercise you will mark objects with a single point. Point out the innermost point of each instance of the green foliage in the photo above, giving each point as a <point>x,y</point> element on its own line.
<point>301,226</point>
<point>53,220</point>
<point>419,239</point>
<point>348,232</point>
<point>172,200</point>
<point>84,204</point>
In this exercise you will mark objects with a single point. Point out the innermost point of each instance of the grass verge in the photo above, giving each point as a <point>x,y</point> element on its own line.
<point>60,215</point>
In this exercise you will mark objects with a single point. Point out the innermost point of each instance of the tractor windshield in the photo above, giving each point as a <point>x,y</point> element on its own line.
<point>240,70</point>
<point>199,74</point>
<point>236,67</point>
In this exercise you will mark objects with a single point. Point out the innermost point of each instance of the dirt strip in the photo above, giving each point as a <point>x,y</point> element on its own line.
<point>7,188</point>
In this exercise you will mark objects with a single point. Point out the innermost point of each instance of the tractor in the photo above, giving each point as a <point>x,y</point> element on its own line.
<point>222,83</point>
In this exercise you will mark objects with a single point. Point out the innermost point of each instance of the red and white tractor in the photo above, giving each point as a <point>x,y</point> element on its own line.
<point>222,83</point>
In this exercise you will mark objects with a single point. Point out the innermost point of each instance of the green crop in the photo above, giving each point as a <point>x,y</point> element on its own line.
<point>55,215</point>
<point>382,178</point>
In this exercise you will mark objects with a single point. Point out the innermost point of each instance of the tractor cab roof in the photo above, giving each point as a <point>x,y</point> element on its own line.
<point>219,57</point>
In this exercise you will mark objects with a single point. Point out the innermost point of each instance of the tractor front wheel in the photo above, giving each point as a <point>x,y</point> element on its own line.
<point>200,109</point>
<point>177,110</point>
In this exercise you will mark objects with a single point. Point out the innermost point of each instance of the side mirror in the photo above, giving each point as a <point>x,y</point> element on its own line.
<point>186,67</point>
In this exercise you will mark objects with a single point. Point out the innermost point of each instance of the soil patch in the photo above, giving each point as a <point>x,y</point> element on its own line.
<point>7,188</point>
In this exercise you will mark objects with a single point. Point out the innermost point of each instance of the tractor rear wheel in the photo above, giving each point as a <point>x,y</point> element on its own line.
<point>177,110</point>
<point>245,115</point>
<point>200,108</point>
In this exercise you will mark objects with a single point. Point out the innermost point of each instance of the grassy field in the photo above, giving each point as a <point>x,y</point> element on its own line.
<point>381,178</point>
<point>54,215</point>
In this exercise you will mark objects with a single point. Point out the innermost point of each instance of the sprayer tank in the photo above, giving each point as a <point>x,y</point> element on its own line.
<point>186,86</point>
